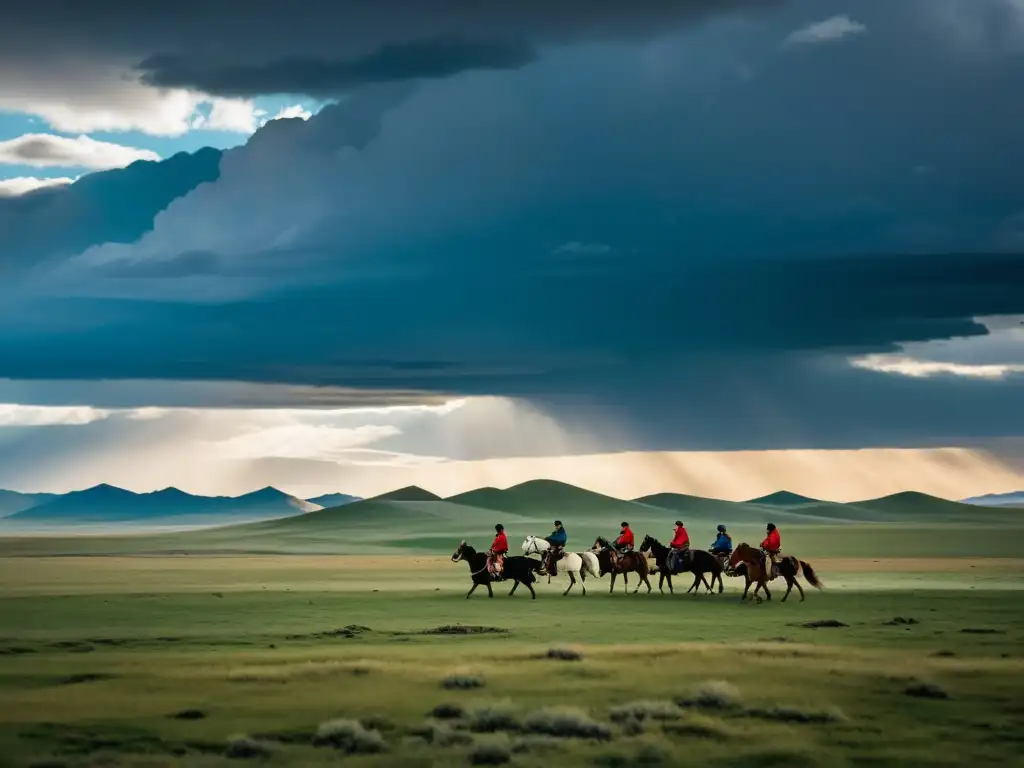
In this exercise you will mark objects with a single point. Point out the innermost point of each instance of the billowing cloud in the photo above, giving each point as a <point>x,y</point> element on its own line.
<point>405,239</point>
<point>21,185</point>
<point>827,31</point>
<point>16,415</point>
<point>41,150</point>
<point>325,78</point>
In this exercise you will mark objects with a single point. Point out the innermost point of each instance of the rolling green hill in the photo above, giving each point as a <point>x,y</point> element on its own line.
<point>784,499</point>
<point>414,520</point>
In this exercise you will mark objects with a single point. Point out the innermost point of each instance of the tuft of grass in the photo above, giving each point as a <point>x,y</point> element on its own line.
<point>711,694</point>
<point>493,717</point>
<point>564,654</point>
<point>349,736</point>
<point>566,723</point>
<point>645,710</point>
<point>490,754</point>
<point>246,747</point>
<point>823,624</point>
<point>631,726</point>
<point>924,690</point>
<point>189,714</point>
<point>440,734</point>
<point>448,712</point>
<point>462,682</point>
<point>49,762</point>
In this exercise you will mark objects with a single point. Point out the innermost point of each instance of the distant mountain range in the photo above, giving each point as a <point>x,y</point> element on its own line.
<point>1012,499</point>
<point>539,500</point>
<point>108,504</point>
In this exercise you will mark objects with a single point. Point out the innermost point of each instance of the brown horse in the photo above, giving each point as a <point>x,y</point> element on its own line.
<point>754,566</point>
<point>626,562</point>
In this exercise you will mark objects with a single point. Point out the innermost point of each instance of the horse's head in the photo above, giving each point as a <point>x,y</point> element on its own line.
<point>459,552</point>
<point>646,545</point>
<point>742,554</point>
<point>534,546</point>
<point>599,543</point>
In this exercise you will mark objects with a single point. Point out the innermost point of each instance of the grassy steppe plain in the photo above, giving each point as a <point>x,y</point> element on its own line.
<point>97,655</point>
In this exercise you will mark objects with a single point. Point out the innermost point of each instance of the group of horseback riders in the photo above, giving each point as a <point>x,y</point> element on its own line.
<point>679,547</point>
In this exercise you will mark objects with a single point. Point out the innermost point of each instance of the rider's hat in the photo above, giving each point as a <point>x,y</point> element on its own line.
<point>558,522</point>
<point>678,522</point>
<point>499,527</point>
<point>624,525</point>
<point>721,528</point>
<point>771,526</point>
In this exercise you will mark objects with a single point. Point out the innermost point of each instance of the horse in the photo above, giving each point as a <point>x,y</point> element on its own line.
<point>576,563</point>
<point>627,562</point>
<point>756,570</point>
<point>521,570</point>
<point>698,563</point>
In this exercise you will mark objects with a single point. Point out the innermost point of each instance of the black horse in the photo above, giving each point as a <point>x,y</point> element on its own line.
<point>521,570</point>
<point>696,561</point>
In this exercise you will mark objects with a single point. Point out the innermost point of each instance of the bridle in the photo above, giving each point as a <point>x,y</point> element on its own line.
<point>532,548</point>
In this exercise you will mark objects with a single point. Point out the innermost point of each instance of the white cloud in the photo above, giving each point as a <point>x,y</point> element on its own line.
<point>43,150</point>
<point>295,110</point>
<point>234,115</point>
<point>996,355</point>
<point>14,415</point>
<point>830,30</point>
<point>302,441</point>
<point>922,369</point>
<point>21,185</point>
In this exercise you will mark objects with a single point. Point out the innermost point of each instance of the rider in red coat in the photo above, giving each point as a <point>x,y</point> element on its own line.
<point>772,545</point>
<point>625,541</point>
<point>499,548</point>
<point>679,547</point>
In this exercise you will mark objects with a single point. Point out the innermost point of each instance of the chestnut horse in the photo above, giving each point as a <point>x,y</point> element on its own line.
<point>756,570</point>
<point>627,561</point>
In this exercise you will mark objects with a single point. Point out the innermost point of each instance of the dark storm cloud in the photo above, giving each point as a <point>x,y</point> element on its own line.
<point>112,206</point>
<point>326,78</point>
<point>339,38</point>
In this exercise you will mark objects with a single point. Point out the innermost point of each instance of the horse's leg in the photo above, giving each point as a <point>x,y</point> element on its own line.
<point>704,580</point>
<point>790,581</point>
<point>572,583</point>
<point>745,588</point>
<point>472,589</point>
<point>721,586</point>
<point>515,586</point>
<point>696,581</point>
<point>767,592</point>
<point>669,578</point>
<point>625,582</point>
<point>490,592</point>
<point>611,589</point>
<point>799,589</point>
<point>533,595</point>
<point>661,580</point>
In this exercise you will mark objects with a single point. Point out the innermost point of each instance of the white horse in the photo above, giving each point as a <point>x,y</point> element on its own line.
<point>575,563</point>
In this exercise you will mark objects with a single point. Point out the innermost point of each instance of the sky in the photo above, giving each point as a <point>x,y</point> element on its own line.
<point>712,246</point>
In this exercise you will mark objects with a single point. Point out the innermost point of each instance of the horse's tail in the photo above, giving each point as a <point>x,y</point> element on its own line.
<point>812,577</point>
<point>591,564</point>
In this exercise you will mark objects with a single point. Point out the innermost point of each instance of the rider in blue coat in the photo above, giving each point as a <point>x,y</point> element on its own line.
<point>558,537</point>
<point>723,542</point>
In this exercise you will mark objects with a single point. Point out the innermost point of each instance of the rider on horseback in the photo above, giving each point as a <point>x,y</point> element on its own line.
<point>723,543</point>
<point>558,538</point>
<point>499,548</point>
<point>679,548</point>
<point>771,546</point>
<point>624,543</point>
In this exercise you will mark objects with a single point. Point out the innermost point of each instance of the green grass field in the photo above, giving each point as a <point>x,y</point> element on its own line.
<point>99,654</point>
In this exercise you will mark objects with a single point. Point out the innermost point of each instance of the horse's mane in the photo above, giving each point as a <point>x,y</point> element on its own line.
<point>602,541</point>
